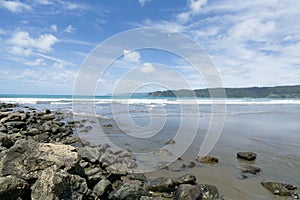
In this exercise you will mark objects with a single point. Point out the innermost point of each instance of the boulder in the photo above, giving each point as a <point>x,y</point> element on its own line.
<point>185,179</point>
<point>249,156</point>
<point>208,192</point>
<point>187,192</point>
<point>27,158</point>
<point>117,169</point>
<point>126,192</point>
<point>162,152</point>
<point>102,187</point>
<point>58,184</point>
<point>47,117</point>
<point>249,169</point>
<point>12,187</point>
<point>280,189</point>
<point>208,160</point>
<point>161,184</point>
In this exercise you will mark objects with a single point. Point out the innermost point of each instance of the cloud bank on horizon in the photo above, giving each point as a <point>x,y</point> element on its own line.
<point>44,42</point>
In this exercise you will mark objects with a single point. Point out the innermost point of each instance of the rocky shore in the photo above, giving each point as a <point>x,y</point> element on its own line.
<point>40,158</point>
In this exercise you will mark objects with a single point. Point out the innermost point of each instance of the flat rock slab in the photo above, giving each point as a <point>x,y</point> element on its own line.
<point>208,160</point>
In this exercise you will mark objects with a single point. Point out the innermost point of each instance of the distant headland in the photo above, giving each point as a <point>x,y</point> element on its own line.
<point>248,92</point>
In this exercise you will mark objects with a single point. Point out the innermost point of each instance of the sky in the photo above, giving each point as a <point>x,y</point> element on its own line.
<point>44,43</point>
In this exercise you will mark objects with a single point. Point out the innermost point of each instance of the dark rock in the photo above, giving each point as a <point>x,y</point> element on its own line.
<point>33,132</point>
<point>107,125</point>
<point>90,154</point>
<point>187,192</point>
<point>277,188</point>
<point>3,128</point>
<point>191,165</point>
<point>171,142</point>
<point>12,187</point>
<point>137,176</point>
<point>162,152</point>
<point>48,117</point>
<point>108,159</point>
<point>185,179</point>
<point>208,160</point>
<point>117,169</point>
<point>127,192</point>
<point>15,124</point>
<point>5,141</point>
<point>102,187</point>
<point>47,111</point>
<point>161,184</point>
<point>250,169</point>
<point>208,192</point>
<point>249,156</point>
<point>55,129</point>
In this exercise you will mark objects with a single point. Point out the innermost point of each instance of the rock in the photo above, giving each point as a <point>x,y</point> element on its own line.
<point>5,141</point>
<point>33,132</point>
<point>125,153</point>
<point>171,142</point>
<point>58,184</point>
<point>47,111</point>
<point>102,187</point>
<point>55,129</point>
<point>162,152</point>
<point>137,176</point>
<point>277,188</point>
<point>108,159</point>
<point>94,175</point>
<point>208,192</point>
<point>161,165</point>
<point>161,184</point>
<point>3,128</point>
<point>129,162</point>
<point>249,156</point>
<point>27,158</point>
<point>185,179</point>
<point>12,187</point>
<point>16,116</point>
<point>117,169</point>
<point>48,117</point>
<point>127,192</point>
<point>107,125</point>
<point>187,192</point>
<point>250,169</point>
<point>191,165</point>
<point>15,124</point>
<point>208,160</point>
<point>90,154</point>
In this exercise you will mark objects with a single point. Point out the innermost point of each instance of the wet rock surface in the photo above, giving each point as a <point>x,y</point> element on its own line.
<point>208,160</point>
<point>249,156</point>
<point>281,189</point>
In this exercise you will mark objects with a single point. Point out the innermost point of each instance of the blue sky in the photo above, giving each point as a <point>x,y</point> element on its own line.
<point>44,42</point>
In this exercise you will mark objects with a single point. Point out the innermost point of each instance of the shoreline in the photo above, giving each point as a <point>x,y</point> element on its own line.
<point>55,160</point>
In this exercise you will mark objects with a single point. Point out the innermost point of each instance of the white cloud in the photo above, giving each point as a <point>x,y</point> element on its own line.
<point>143,2</point>
<point>54,27</point>
<point>196,5</point>
<point>252,29</point>
<point>147,68</point>
<point>14,6</point>
<point>22,43</point>
<point>36,62</point>
<point>183,17</point>
<point>69,29</point>
<point>131,56</point>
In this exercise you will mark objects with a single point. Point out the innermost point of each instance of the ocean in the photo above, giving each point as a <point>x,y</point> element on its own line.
<point>268,127</point>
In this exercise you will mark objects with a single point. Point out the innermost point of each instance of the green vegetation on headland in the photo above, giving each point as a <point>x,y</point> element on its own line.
<point>251,92</point>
